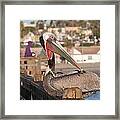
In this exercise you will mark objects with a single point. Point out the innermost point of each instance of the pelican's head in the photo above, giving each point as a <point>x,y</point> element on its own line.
<point>51,46</point>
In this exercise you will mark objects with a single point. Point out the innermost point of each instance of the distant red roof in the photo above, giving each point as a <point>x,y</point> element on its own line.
<point>88,50</point>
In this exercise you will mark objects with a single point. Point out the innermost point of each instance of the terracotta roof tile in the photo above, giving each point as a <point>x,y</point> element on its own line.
<point>88,50</point>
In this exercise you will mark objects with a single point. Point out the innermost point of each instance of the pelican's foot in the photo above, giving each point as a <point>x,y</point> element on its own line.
<point>82,71</point>
<point>49,71</point>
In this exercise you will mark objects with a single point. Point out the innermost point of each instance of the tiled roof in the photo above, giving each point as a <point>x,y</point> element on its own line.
<point>88,50</point>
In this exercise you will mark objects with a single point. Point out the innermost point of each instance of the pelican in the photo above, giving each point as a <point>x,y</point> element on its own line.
<point>55,84</point>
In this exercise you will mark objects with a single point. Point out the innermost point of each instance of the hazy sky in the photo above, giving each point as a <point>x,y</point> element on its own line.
<point>27,21</point>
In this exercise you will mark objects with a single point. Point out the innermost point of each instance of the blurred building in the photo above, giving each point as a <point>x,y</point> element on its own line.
<point>83,55</point>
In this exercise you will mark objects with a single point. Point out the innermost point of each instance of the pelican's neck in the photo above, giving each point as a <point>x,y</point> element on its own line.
<point>51,63</point>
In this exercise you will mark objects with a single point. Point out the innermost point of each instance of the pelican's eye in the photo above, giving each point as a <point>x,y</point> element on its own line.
<point>52,37</point>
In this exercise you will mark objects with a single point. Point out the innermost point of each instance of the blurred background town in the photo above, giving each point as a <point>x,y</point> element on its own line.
<point>81,38</point>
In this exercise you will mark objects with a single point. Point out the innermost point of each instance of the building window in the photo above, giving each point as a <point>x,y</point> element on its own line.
<point>89,57</point>
<point>78,60</point>
<point>25,62</point>
<point>26,67</point>
<point>29,72</point>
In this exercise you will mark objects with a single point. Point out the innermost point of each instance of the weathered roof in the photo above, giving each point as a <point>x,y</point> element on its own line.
<point>88,50</point>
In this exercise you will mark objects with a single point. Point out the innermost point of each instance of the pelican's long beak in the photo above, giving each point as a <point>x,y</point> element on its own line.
<point>58,49</point>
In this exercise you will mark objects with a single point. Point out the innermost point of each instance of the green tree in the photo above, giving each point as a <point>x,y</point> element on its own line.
<point>95,27</point>
<point>82,23</point>
<point>68,43</point>
<point>22,29</point>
